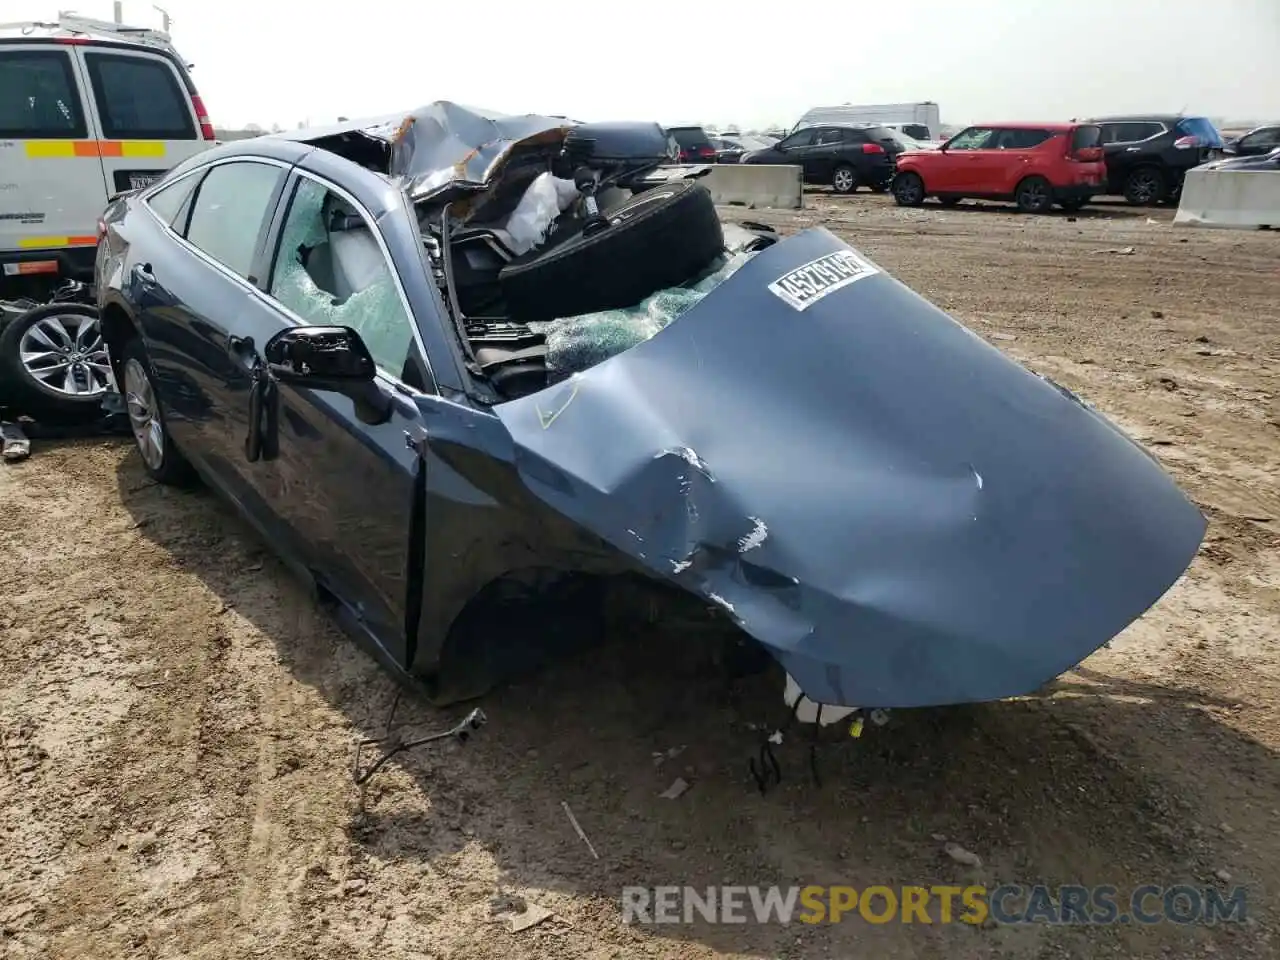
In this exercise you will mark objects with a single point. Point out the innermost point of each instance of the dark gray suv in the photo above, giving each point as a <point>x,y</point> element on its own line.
<point>844,157</point>
<point>1148,155</point>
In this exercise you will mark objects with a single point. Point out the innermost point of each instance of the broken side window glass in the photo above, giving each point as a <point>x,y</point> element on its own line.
<point>331,270</point>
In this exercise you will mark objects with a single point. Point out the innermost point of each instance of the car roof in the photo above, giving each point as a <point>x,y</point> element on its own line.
<point>1145,117</point>
<point>1025,125</point>
<point>39,31</point>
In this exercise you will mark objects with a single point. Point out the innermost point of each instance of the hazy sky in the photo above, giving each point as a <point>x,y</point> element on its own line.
<point>754,62</point>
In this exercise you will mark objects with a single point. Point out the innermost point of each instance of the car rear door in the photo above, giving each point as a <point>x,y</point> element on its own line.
<point>1125,145</point>
<point>827,152</point>
<point>145,119</point>
<point>1013,157</point>
<point>202,315</point>
<point>50,179</point>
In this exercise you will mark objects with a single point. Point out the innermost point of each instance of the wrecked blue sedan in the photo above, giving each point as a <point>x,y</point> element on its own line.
<point>452,362</point>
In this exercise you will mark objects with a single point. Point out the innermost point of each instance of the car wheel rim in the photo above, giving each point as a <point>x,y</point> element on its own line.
<point>66,355</point>
<point>1034,194</point>
<point>1144,188</point>
<point>844,180</point>
<point>909,191</point>
<point>144,416</point>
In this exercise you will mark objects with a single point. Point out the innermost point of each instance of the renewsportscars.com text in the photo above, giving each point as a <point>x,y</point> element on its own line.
<point>974,904</point>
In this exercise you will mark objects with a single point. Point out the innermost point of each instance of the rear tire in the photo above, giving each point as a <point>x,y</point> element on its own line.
<point>656,239</point>
<point>162,460</point>
<point>1034,195</point>
<point>844,179</point>
<point>908,190</point>
<point>1144,187</point>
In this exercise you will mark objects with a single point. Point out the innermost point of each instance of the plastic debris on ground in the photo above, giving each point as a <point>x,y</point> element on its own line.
<point>575,344</point>
<point>16,446</point>
<point>544,200</point>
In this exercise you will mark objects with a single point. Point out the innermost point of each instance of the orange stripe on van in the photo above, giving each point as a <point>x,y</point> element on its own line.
<point>49,149</point>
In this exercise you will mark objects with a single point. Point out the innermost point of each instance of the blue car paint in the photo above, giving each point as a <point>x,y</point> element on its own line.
<point>900,513</point>
<point>903,515</point>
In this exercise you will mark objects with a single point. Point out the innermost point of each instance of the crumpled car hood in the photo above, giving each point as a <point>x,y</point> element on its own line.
<point>901,514</point>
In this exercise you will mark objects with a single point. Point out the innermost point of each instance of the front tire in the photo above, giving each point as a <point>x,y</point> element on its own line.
<point>161,459</point>
<point>1034,195</point>
<point>908,190</point>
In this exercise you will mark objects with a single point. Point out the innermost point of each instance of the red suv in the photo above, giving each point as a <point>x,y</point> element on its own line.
<point>1034,164</point>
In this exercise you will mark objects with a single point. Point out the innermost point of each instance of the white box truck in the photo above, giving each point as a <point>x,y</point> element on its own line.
<point>920,121</point>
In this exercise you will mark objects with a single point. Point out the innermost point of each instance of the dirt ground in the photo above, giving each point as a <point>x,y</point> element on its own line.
<point>179,722</point>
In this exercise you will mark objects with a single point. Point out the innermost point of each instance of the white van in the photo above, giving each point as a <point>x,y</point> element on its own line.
<point>88,109</point>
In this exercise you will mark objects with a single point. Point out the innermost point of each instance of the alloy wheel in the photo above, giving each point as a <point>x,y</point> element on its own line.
<point>65,354</point>
<point>144,415</point>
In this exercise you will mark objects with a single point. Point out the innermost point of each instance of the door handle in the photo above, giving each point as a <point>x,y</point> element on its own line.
<point>242,347</point>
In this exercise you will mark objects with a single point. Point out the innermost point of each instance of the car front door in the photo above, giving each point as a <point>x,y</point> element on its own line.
<point>796,148</point>
<point>959,173</point>
<point>345,484</point>
<point>1259,142</point>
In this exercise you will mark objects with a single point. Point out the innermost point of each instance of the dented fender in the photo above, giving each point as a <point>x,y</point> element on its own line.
<point>900,513</point>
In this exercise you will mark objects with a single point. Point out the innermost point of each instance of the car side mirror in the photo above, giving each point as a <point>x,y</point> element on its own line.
<point>329,358</point>
<point>317,355</point>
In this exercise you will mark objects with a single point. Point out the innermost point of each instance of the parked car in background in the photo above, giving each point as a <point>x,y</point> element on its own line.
<point>731,147</point>
<point>1147,155</point>
<point>911,143</point>
<point>87,109</point>
<point>693,144</point>
<point>842,157</point>
<point>1033,164</point>
<point>1256,162</point>
<point>919,120</point>
<point>1256,143</point>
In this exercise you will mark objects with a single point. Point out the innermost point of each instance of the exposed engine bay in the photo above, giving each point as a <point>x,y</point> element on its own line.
<point>555,244</point>
<point>581,247</point>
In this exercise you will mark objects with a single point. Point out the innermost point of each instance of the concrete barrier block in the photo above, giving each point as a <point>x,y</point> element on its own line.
<point>759,185</point>
<point>1231,199</point>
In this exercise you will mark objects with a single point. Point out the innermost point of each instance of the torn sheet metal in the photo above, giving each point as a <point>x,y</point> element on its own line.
<point>900,513</point>
<point>446,144</point>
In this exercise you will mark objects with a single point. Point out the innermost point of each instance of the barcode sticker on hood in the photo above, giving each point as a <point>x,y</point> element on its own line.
<point>807,284</point>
